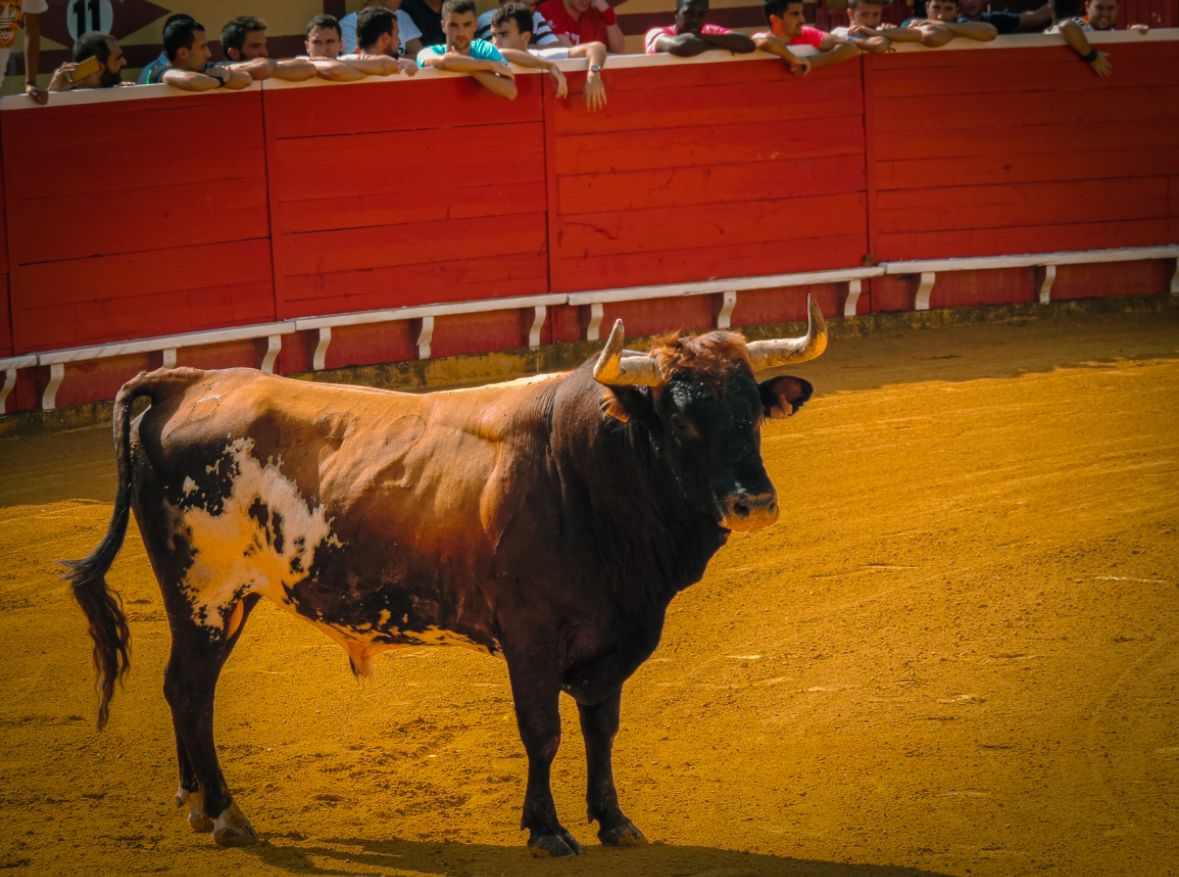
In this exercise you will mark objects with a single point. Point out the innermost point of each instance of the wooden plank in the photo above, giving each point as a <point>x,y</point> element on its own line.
<point>6,341</point>
<point>895,245</point>
<point>125,148</point>
<point>448,242</point>
<point>1033,70</point>
<point>107,298</point>
<point>691,263</point>
<point>676,187</point>
<point>1008,168</point>
<point>611,152</point>
<point>951,208</point>
<point>337,292</point>
<point>999,139</point>
<point>1102,107</point>
<point>713,104</point>
<point>710,227</point>
<point>184,213</point>
<point>450,102</point>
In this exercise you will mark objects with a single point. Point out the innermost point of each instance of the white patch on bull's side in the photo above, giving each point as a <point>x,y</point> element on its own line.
<point>231,551</point>
<point>212,397</point>
<point>189,486</point>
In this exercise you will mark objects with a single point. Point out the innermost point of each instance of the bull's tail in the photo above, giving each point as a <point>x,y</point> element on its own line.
<point>87,577</point>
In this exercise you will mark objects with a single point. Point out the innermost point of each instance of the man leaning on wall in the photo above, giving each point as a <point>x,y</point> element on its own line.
<point>788,29</point>
<point>109,54</point>
<point>691,34</point>
<point>462,53</point>
<point>509,26</point>
<point>187,48</point>
<point>243,40</point>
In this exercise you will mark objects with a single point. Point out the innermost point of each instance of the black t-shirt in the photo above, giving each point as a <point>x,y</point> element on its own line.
<point>428,21</point>
<point>1004,22</point>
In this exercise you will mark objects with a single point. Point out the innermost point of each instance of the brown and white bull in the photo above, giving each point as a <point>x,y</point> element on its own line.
<point>549,520</point>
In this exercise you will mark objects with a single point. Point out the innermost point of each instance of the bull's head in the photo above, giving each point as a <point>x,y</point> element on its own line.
<point>704,399</point>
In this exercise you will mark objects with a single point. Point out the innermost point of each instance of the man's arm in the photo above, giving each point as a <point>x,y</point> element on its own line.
<point>833,50</point>
<point>372,65</point>
<point>293,69</point>
<point>1075,37</point>
<point>1035,20</point>
<point>868,40</point>
<point>32,22</point>
<point>615,39</point>
<point>686,45</point>
<point>334,70</point>
<point>188,80</point>
<point>256,68</point>
<point>501,86</point>
<point>527,59</point>
<point>979,31</point>
<point>772,45</point>
<point>595,91</point>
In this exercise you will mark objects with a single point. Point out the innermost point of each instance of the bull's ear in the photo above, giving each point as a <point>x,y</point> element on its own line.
<point>784,395</point>
<point>623,403</point>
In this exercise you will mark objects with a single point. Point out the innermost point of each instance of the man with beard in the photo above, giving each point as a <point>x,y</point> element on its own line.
<point>1100,15</point>
<point>109,53</point>
<point>243,40</point>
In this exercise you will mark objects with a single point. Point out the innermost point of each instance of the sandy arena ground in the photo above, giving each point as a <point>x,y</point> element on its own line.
<point>958,653</point>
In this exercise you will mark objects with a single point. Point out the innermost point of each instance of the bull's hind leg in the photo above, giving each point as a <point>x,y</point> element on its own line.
<point>599,724</point>
<point>190,683</point>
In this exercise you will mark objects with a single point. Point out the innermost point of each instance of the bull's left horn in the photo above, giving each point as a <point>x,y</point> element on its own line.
<point>615,369</point>
<point>765,356</point>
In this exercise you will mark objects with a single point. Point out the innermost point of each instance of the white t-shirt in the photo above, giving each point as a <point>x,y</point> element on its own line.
<point>406,31</point>
<point>10,14</point>
<point>542,32</point>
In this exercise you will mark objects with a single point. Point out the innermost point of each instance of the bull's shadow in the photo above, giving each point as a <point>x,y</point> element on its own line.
<point>341,856</point>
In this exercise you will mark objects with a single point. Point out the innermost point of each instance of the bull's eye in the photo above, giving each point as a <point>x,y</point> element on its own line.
<point>681,426</point>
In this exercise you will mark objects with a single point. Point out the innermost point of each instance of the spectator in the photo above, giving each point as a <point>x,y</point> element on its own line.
<point>942,23</point>
<point>585,21</point>
<point>14,13</point>
<point>187,48</point>
<point>243,40</point>
<point>427,17</point>
<point>1029,21</point>
<point>376,31</point>
<point>161,63</point>
<point>542,32</point>
<point>866,30</point>
<point>409,37</point>
<point>109,53</point>
<point>510,25</point>
<point>1100,15</point>
<point>691,35</point>
<point>462,53</point>
<point>322,38</point>
<point>787,29</point>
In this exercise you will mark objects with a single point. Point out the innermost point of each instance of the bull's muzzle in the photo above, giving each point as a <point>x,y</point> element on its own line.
<point>750,511</point>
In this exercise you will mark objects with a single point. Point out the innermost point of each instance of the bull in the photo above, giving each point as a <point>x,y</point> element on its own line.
<point>549,521</point>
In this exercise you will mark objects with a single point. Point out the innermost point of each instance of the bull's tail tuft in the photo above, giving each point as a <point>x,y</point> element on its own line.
<point>104,607</point>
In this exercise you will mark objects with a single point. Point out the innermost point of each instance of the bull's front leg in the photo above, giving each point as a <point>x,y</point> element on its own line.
<point>599,724</point>
<point>536,688</point>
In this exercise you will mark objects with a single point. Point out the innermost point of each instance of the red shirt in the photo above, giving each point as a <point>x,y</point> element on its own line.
<point>810,36</point>
<point>590,28</point>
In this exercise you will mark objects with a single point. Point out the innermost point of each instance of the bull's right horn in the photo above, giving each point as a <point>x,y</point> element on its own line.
<point>614,368</point>
<point>767,356</point>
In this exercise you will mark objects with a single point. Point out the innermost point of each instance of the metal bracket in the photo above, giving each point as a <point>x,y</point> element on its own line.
<point>924,290</point>
<point>595,323</point>
<point>168,358</point>
<point>273,347</point>
<point>1175,279</point>
<point>56,376</point>
<point>320,356</point>
<point>538,317</point>
<point>9,383</point>
<point>1046,286</point>
<point>425,337</point>
<point>724,320</point>
<point>854,288</point>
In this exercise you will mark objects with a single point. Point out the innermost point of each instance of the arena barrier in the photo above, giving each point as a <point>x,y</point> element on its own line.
<point>310,226</point>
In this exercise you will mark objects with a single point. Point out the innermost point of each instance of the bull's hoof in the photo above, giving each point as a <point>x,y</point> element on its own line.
<point>201,824</point>
<point>232,829</point>
<point>622,835</point>
<point>554,846</point>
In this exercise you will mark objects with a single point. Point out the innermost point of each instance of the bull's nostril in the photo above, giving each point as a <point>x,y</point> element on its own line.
<point>741,510</point>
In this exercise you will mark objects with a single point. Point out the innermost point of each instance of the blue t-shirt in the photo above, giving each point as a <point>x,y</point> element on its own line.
<point>154,69</point>
<point>480,50</point>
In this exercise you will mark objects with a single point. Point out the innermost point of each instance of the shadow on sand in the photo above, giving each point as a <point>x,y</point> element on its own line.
<point>339,856</point>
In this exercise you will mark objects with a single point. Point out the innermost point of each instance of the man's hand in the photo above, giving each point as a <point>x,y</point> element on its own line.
<point>408,67</point>
<point>800,67</point>
<point>595,91</point>
<point>1141,29</point>
<point>37,93</point>
<point>559,83</point>
<point>1101,65</point>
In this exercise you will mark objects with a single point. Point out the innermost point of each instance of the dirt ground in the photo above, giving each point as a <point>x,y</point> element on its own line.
<point>957,653</point>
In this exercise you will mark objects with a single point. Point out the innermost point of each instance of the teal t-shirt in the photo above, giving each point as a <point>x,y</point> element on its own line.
<point>480,49</point>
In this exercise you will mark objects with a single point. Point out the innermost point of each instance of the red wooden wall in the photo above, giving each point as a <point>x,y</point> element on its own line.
<point>140,217</point>
<point>122,225</point>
